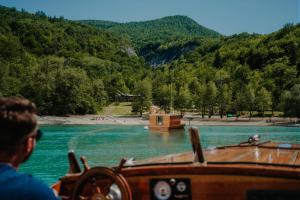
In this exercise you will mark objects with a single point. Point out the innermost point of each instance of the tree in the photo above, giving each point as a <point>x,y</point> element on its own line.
<point>263,100</point>
<point>199,98</point>
<point>281,77</point>
<point>143,92</point>
<point>222,77</point>
<point>224,99</point>
<point>240,102</point>
<point>116,86</point>
<point>291,102</point>
<point>99,93</point>
<point>183,99</point>
<point>73,93</point>
<point>241,76</point>
<point>250,97</point>
<point>164,97</point>
<point>40,14</point>
<point>4,76</point>
<point>218,60</point>
<point>10,47</point>
<point>210,95</point>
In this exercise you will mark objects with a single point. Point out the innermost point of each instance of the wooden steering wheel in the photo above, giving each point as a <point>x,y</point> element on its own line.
<point>96,183</point>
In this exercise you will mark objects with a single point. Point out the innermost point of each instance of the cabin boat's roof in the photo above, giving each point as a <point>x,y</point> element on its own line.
<point>266,153</point>
<point>164,114</point>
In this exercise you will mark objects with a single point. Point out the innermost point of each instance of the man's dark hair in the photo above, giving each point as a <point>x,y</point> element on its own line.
<point>17,120</point>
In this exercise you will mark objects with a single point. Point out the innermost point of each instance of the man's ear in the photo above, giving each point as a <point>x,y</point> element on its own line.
<point>29,145</point>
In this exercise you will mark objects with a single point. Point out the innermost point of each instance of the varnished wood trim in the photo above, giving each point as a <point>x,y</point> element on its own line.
<point>294,158</point>
<point>224,168</point>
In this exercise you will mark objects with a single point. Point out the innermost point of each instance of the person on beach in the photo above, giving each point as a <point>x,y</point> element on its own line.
<point>18,136</point>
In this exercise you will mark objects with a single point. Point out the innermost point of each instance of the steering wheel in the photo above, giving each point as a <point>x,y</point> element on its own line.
<point>101,183</point>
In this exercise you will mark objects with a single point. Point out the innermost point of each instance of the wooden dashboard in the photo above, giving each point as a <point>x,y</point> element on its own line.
<point>207,182</point>
<point>217,187</point>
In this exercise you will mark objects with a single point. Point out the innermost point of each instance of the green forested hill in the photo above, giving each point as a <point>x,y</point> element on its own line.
<point>70,68</point>
<point>65,67</point>
<point>239,72</point>
<point>40,35</point>
<point>156,31</point>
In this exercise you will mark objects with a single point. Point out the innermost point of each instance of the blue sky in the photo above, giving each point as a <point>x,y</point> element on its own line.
<point>225,16</point>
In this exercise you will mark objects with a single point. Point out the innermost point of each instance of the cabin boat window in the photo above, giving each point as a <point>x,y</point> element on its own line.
<point>159,120</point>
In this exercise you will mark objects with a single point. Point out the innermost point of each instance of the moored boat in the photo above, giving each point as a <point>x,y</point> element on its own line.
<point>165,122</point>
<point>248,170</point>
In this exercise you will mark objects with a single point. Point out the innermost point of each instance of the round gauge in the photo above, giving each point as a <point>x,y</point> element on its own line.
<point>181,186</point>
<point>162,190</point>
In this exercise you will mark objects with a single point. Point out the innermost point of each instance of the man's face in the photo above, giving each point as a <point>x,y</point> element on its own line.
<point>31,144</point>
<point>28,155</point>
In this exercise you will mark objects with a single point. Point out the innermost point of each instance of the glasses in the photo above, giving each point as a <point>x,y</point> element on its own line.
<point>38,135</point>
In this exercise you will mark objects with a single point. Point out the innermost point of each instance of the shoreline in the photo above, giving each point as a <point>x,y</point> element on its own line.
<point>91,120</point>
<point>134,120</point>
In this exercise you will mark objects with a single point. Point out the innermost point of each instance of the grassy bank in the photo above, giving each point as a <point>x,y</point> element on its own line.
<point>117,109</point>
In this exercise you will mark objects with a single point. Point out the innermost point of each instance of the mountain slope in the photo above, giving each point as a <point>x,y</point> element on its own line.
<point>63,66</point>
<point>41,35</point>
<point>156,31</point>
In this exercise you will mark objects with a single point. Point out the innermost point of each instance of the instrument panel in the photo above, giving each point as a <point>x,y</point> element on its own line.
<point>172,188</point>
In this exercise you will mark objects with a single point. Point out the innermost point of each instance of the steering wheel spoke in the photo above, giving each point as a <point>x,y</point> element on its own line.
<point>96,183</point>
<point>105,189</point>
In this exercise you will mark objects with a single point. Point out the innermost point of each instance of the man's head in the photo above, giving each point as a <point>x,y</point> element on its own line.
<point>18,129</point>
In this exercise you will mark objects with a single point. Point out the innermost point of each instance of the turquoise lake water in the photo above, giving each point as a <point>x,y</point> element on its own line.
<point>105,145</point>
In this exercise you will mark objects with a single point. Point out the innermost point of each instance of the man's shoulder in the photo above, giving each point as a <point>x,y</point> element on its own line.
<point>39,190</point>
<point>14,185</point>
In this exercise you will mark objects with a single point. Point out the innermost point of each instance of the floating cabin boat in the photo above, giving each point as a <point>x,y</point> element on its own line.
<point>165,122</point>
<point>250,170</point>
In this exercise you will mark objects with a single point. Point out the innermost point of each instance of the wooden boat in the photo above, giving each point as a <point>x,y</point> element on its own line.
<point>249,170</point>
<point>165,122</point>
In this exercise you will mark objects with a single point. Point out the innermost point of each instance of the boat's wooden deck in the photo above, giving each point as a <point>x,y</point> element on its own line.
<point>267,153</point>
<point>237,172</point>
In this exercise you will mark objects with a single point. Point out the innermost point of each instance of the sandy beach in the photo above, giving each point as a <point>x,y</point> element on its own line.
<point>132,120</point>
<point>92,119</point>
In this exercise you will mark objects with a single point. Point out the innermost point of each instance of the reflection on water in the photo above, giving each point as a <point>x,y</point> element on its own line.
<point>175,135</point>
<point>106,145</point>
